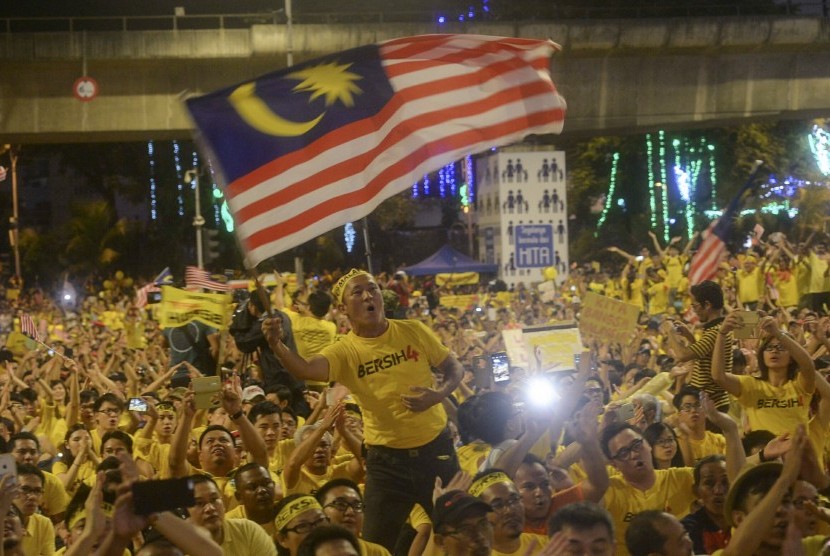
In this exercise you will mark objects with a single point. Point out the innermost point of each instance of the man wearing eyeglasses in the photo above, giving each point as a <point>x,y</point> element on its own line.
<point>692,434</point>
<point>639,486</point>
<point>708,306</point>
<point>497,490</point>
<point>240,537</point>
<point>461,526</point>
<point>343,504</point>
<point>39,539</point>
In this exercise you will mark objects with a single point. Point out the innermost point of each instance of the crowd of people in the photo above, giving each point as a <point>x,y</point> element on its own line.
<point>348,415</point>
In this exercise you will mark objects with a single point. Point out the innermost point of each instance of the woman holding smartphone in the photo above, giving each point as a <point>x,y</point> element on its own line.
<point>778,400</point>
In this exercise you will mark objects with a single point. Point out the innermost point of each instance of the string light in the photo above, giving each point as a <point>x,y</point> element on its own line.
<point>665,188</point>
<point>349,236</point>
<point>179,186</point>
<point>819,140</point>
<point>153,198</point>
<point>612,185</point>
<point>442,182</point>
<point>652,205</point>
<point>451,179</point>
<point>469,177</point>
<point>214,188</point>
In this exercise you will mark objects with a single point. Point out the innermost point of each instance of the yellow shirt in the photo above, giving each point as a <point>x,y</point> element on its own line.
<point>55,497</point>
<point>156,454</point>
<point>811,545</point>
<point>240,513</point>
<point>750,285</point>
<point>674,269</point>
<point>658,298</point>
<point>712,443</point>
<point>308,482</point>
<point>311,334</point>
<point>472,455</point>
<point>243,537</point>
<point>671,492</point>
<point>85,474</point>
<point>276,461</point>
<point>776,409</point>
<point>788,294</point>
<point>378,370</point>
<point>530,543</point>
<point>39,538</point>
<point>371,549</point>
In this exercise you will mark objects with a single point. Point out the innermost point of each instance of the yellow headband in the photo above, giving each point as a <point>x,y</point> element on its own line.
<point>295,508</point>
<point>340,286</point>
<point>490,479</point>
<point>76,518</point>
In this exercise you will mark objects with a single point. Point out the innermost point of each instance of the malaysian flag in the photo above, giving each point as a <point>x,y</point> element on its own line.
<point>708,256</point>
<point>312,147</point>
<point>27,326</point>
<point>142,294</point>
<point>195,277</point>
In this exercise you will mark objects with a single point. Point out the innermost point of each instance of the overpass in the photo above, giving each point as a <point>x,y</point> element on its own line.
<point>617,75</point>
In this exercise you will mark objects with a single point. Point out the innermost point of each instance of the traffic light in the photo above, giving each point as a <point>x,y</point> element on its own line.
<point>211,244</point>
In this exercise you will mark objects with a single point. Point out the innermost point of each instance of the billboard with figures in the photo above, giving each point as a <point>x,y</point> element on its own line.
<point>521,210</point>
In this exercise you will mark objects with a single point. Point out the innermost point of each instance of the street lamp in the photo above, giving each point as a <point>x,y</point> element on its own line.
<point>198,220</point>
<point>14,221</point>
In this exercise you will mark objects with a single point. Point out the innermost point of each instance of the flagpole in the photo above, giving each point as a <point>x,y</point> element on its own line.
<point>368,245</point>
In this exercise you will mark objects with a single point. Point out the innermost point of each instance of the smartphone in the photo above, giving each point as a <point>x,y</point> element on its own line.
<point>136,404</point>
<point>638,258</point>
<point>8,466</point>
<point>482,371</point>
<point>330,399</point>
<point>500,367</point>
<point>625,411</point>
<point>150,497</point>
<point>204,390</point>
<point>749,329</point>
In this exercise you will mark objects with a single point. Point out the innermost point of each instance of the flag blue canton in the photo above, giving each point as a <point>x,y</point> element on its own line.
<point>276,115</point>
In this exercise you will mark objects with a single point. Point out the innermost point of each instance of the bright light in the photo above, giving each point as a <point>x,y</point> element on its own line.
<point>349,235</point>
<point>540,392</point>
<point>682,178</point>
<point>67,297</point>
<point>442,19</point>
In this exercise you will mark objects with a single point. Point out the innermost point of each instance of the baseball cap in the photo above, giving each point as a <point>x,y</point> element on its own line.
<point>252,392</point>
<point>451,507</point>
<point>744,482</point>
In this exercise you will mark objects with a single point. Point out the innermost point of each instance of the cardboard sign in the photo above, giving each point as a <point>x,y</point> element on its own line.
<point>606,319</point>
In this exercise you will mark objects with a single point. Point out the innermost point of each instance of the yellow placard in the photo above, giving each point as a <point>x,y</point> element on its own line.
<point>551,348</point>
<point>461,302</point>
<point>607,319</point>
<point>179,307</point>
<point>457,279</point>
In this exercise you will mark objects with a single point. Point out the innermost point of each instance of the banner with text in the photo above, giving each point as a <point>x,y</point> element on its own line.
<point>179,307</point>
<point>606,319</point>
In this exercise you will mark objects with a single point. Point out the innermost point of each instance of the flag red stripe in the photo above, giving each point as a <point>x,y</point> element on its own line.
<point>349,133</point>
<point>401,168</point>
<point>396,68</point>
<point>399,133</point>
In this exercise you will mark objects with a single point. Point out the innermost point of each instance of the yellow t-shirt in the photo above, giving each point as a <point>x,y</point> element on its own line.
<point>276,461</point>
<point>39,538</point>
<point>86,474</point>
<point>240,513</point>
<point>711,444</point>
<point>156,454</point>
<point>788,294</point>
<point>811,545</point>
<point>308,483</point>
<point>658,298</point>
<point>671,492</point>
<point>472,455</point>
<point>379,370</point>
<point>529,543</point>
<point>776,409</point>
<point>311,334</point>
<point>750,285</point>
<point>674,269</point>
<point>371,549</point>
<point>50,425</point>
<point>55,497</point>
<point>243,537</point>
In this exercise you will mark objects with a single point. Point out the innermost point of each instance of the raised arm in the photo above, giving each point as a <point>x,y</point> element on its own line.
<point>593,462</point>
<point>316,368</point>
<point>231,398</point>
<point>305,449</point>
<point>727,381</point>
<point>177,457</point>
<point>735,455</point>
<point>806,368</point>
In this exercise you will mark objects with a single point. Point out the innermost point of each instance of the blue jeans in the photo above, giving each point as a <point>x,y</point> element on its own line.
<point>397,479</point>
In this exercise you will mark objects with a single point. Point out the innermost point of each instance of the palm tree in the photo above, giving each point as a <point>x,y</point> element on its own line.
<point>95,240</point>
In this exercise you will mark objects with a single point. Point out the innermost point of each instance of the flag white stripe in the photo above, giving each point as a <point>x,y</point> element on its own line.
<point>348,184</point>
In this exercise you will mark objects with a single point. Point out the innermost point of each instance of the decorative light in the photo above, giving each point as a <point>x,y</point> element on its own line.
<point>612,185</point>
<point>681,177</point>
<point>819,140</point>
<point>469,178</point>
<point>214,187</point>
<point>349,236</point>
<point>442,182</point>
<point>451,179</point>
<point>663,180</point>
<point>713,175</point>
<point>652,204</point>
<point>153,198</point>
<point>426,186</point>
<point>179,185</point>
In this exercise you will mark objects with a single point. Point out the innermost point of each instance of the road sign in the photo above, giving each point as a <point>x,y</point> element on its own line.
<point>85,88</point>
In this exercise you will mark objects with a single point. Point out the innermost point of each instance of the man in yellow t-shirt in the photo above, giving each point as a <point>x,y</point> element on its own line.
<point>639,486</point>
<point>658,293</point>
<point>750,283</point>
<point>498,491</point>
<point>692,431</point>
<point>256,493</point>
<point>387,366</point>
<point>343,504</point>
<point>25,448</point>
<point>39,539</point>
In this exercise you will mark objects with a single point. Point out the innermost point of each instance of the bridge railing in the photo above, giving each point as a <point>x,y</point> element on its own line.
<point>541,11</point>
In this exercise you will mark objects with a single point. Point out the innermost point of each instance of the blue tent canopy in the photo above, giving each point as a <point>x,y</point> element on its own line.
<point>448,260</point>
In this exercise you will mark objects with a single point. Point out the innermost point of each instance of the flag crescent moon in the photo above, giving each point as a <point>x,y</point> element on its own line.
<point>259,115</point>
